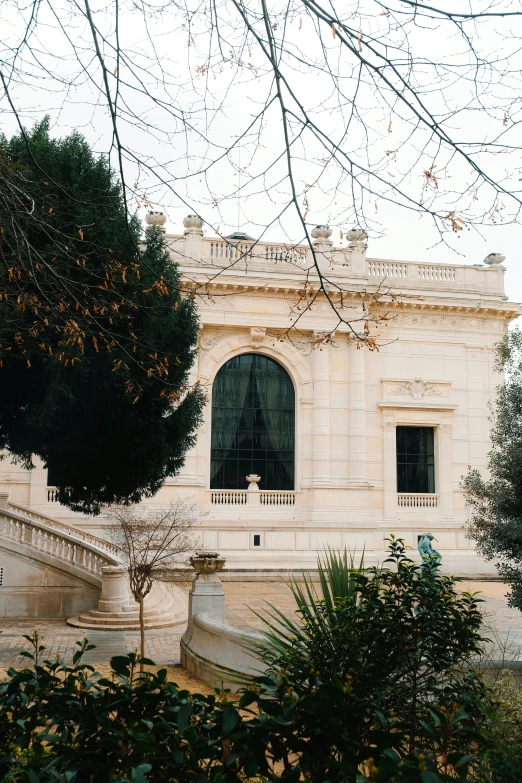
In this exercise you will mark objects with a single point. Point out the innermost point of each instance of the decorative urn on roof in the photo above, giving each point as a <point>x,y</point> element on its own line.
<point>156,218</point>
<point>356,235</point>
<point>193,224</point>
<point>253,482</point>
<point>322,233</point>
<point>494,259</point>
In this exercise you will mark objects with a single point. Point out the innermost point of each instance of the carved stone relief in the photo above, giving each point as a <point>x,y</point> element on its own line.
<point>216,302</point>
<point>417,389</point>
<point>257,336</point>
<point>446,322</point>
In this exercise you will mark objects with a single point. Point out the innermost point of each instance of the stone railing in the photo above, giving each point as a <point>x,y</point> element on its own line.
<point>243,256</point>
<point>263,497</point>
<point>228,497</point>
<point>387,269</point>
<point>88,538</point>
<point>275,498</point>
<point>55,546</point>
<point>417,500</point>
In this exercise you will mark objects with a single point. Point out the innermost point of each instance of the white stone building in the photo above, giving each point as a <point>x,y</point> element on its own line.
<point>351,444</point>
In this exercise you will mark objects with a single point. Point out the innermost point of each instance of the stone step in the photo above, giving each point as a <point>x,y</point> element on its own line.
<point>115,625</point>
<point>163,608</point>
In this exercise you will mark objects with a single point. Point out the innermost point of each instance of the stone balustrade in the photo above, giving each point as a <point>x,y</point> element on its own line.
<point>240,257</point>
<point>239,497</point>
<point>52,544</point>
<point>417,500</point>
<point>88,538</point>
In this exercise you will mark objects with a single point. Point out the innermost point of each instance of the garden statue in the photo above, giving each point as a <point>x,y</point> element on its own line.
<point>426,550</point>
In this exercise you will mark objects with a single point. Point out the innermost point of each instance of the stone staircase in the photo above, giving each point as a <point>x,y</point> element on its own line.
<point>93,560</point>
<point>164,607</point>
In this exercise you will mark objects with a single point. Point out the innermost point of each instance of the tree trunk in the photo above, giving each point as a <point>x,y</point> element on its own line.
<point>142,633</point>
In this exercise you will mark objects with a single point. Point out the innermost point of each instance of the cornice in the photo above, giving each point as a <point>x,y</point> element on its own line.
<point>221,296</point>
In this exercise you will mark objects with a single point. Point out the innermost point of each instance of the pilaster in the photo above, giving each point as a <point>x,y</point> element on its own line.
<point>357,407</point>
<point>390,469</point>
<point>321,413</point>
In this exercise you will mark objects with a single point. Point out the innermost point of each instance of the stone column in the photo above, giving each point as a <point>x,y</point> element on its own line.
<point>321,413</point>
<point>357,415</point>
<point>115,594</point>
<point>390,469</point>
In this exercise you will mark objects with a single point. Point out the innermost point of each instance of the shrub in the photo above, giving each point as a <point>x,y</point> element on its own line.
<point>375,686</point>
<point>401,639</point>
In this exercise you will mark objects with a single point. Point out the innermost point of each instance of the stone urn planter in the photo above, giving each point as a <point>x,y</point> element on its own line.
<point>253,482</point>
<point>207,562</point>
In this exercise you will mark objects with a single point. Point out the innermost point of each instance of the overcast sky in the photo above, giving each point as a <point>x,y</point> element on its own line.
<point>59,75</point>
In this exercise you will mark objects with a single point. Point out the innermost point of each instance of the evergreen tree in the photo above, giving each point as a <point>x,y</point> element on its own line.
<point>96,335</point>
<point>496,501</point>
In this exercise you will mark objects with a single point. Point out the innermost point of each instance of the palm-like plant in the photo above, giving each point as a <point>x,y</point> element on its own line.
<point>316,613</point>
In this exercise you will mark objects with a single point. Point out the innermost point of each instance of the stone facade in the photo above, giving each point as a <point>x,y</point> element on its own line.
<point>436,327</point>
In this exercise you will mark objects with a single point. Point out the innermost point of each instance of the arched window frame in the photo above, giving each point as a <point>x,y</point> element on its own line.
<point>277,361</point>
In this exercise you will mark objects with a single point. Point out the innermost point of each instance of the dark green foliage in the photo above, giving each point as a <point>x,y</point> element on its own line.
<point>400,640</point>
<point>96,336</point>
<point>496,502</point>
<point>69,724</point>
<point>385,696</point>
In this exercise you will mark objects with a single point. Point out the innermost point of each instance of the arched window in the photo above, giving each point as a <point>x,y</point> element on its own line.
<point>253,424</point>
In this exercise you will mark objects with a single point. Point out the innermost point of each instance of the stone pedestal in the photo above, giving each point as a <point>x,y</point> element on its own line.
<point>115,589</point>
<point>206,596</point>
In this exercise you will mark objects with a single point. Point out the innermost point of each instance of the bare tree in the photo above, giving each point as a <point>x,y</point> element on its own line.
<point>286,114</point>
<point>152,541</point>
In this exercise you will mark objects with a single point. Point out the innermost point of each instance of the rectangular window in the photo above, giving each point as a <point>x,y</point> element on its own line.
<point>415,460</point>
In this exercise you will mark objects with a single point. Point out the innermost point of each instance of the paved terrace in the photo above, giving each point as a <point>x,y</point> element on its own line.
<point>244,599</point>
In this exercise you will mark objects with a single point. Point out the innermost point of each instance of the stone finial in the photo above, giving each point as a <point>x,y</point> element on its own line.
<point>253,481</point>
<point>322,235</point>
<point>156,218</point>
<point>356,236</point>
<point>193,225</point>
<point>494,259</point>
<point>322,232</point>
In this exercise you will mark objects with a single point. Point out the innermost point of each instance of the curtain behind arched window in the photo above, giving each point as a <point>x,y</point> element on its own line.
<point>253,424</point>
